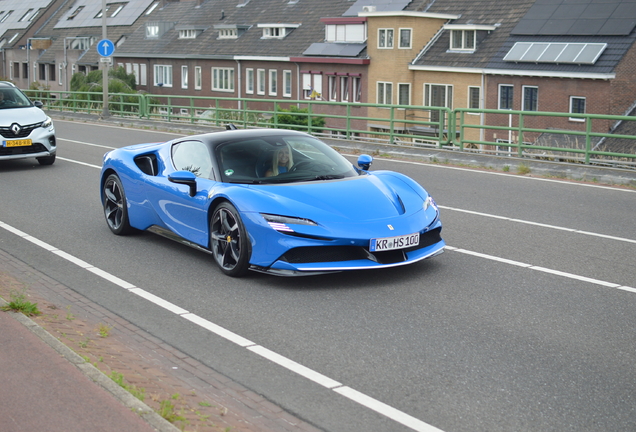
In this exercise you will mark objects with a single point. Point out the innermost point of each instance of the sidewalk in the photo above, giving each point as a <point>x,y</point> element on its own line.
<point>58,372</point>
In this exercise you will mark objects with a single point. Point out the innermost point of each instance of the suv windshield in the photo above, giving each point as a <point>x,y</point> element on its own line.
<point>281,159</point>
<point>13,98</point>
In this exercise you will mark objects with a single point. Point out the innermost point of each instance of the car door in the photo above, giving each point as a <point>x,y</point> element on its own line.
<point>185,215</point>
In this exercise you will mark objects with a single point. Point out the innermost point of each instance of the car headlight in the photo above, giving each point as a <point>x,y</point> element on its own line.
<point>279,223</point>
<point>429,202</point>
<point>47,123</point>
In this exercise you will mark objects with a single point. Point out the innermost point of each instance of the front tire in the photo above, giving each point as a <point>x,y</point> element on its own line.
<point>228,241</point>
<point>115,206</point>
<point>46,160</point>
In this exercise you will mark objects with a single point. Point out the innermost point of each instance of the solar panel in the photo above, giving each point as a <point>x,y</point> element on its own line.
<point>555,52</point>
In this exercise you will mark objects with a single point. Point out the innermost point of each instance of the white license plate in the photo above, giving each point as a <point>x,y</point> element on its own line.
<point>391,243</point>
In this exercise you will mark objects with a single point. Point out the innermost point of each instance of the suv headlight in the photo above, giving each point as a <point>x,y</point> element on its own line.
<point>47,123</point>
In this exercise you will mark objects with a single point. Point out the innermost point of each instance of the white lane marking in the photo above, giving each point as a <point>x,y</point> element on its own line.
<point>542,225</point>
<point>80,163</point>
<point>362,399</point>
<point>276,358</point>
<point>386,410</point>
<point>88,144</point>
<point>517,176</point>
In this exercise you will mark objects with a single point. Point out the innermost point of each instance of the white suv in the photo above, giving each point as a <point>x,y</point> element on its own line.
<point>26,130</point>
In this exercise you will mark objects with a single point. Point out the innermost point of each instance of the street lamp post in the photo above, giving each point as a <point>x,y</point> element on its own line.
<point>106,65</point>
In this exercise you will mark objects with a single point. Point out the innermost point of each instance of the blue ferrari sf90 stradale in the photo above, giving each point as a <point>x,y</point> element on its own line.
<point>275,201</point>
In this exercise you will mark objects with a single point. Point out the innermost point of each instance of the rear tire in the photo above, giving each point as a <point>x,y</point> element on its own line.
<point>229,242</point>
<point>116,206</point>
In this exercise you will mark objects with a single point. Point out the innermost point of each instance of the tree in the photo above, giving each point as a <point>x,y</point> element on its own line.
<point>297,119</point>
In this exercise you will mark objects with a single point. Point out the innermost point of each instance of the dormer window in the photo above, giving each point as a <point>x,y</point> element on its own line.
<point>75,13</point>
<point>230,31</point>
<point>188,34</point>
<point>277,31</point>
<point>152,30</point>
<point>228,34</point>
<point>462,40</point>
<point>463,37</point>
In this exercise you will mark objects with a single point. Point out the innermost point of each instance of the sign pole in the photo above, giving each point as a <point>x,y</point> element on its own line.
<point>105,65</point>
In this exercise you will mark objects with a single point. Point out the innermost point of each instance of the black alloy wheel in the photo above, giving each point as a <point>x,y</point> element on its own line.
<point>228,241</point>
<point>115,208</point>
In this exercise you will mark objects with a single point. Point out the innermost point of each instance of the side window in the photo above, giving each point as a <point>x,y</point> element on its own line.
<point>193,156</point>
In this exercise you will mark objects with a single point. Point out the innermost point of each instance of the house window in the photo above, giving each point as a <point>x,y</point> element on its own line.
<point>152,31</point>
<point>353,33</point>
<point>404,94</point>
<point>530,98</point>
<point>187,34</point>
<point>287,83</point>
<point>42,76</point>
<point>385,38</point>
<point>184,77</point>
<point>198,79</point>
<point>230,33</point>
<point>74,13</point>
<point>344,89</point>
<point>143,75</point>
<point>385,93</point>
<point>273,82</point>
<point>273,32</point>
<point>4,18</point>
<point>26,15</point>
<point>506,93</point>
<point>463,40</point>
<point>16,70</point>
<point>405,38</point>
<point>152,8</point>
<point>577,106</point>
<point>260,81</point>
<point>249,81</point>
<point>223,79</point>
<point>333,87</point>
<point>438,95</point>
<point>163,75</point>
<point>135,71</point>
<point>356,85</point>
<point>474,96</point>
<point>51,76</point>
<point>312,85</point>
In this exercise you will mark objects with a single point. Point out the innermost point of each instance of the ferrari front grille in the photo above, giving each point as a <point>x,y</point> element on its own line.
<point>315,254</point>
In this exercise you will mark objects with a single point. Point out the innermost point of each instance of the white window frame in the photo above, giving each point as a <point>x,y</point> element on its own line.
<point>249,81</point>
<point>572,99</point>
<point>386,38</point>
<point>448,98</point>
<point>287,83</point>
<point>143,74</point>
<point>273,82</point>
<point>260,81</point>
<point>163,75</point>
<point>188,34</point>
<point>523,98</point>
<point>184,77</point>
<point>332,84</point>
<point>198,78</point>
<point>463,44</point>
<point>356,87</point>
<point>470,99</point>
<point>152,31</point>
<point>381,93</point>
<point>345,88</point>
<point>399,94</point>
<point>410,44</point>
<point>223,79</point>
<point>228,33</point>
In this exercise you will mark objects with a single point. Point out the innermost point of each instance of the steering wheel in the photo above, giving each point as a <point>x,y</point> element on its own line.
<point>302,165</point>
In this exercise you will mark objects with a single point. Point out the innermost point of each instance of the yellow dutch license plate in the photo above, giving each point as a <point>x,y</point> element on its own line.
<point>18,143</point>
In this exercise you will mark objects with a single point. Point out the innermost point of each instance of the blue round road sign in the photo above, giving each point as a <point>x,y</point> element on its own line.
<point>105,48</point>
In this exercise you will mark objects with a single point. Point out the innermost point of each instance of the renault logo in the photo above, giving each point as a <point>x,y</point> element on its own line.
<point>16,128</point>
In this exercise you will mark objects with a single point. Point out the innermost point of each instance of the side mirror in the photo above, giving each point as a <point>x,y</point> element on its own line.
<point>186,178</point>
<point>38,104</point>
<point>364,162</point>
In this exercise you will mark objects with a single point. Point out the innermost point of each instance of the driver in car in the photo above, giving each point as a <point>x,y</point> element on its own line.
<point>281,162</point>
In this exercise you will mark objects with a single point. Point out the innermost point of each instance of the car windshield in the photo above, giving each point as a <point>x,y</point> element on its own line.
<point>281,159</point>
<point>13,98</point>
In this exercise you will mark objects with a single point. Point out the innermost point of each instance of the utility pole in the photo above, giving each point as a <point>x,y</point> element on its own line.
<point>106,65</point>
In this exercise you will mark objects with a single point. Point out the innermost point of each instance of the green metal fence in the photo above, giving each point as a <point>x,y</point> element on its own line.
<point>579,138</point>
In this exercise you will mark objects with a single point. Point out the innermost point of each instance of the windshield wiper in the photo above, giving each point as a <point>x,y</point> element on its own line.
<point>329,177</point>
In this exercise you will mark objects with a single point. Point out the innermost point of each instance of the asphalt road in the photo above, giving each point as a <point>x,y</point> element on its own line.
<point>525,323</point>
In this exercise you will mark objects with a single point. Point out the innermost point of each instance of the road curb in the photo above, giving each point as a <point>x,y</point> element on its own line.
<point>95,375</point>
